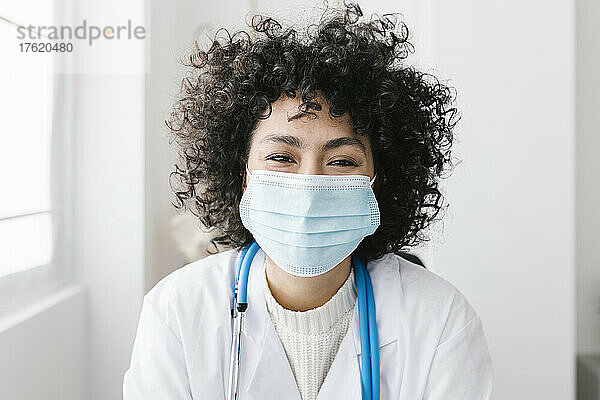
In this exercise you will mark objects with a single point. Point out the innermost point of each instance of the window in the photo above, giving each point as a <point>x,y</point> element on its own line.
<point>25,206</point>
<point>33,143</point>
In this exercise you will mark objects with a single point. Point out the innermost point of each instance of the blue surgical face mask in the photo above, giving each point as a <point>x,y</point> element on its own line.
<point>308,224</point>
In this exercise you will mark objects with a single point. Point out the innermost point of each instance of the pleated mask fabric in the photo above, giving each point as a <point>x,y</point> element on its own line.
<point>308,224</point>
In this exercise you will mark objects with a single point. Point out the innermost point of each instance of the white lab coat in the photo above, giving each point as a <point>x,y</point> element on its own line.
<point>432,344</point>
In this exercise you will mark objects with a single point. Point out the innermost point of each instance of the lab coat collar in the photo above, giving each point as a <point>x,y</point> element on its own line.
<point>344,373</point>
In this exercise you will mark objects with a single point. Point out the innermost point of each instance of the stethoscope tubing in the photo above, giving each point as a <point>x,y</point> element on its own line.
<point>365,346</point>
<point>373,336</point>
<point>369,340</point>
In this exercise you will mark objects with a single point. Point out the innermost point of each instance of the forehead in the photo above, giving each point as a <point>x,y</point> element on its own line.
<point>318,128</point>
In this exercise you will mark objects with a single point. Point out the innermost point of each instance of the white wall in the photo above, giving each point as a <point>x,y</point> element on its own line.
<point>108,192</point>
<point>42,349</point>
<point>108,221</point>
<point>588,176</point>
<point>509,235</point>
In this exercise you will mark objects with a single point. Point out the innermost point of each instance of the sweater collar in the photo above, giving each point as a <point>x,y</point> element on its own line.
<point>318,320</point>
<point>385,278</point>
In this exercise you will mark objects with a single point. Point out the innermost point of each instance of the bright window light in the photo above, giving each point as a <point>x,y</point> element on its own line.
<point>26,109</point>
<point>26,243</point>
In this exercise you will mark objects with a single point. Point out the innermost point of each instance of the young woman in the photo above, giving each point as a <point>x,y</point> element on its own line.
<point>317,156</point>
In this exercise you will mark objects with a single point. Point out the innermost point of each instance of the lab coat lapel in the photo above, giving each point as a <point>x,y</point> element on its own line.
<point>265,368</point>
<point>343,378</point>
<point>343,381</point>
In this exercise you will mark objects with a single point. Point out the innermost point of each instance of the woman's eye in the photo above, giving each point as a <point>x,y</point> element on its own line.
<point>280,158</point>
<point>344,163</point>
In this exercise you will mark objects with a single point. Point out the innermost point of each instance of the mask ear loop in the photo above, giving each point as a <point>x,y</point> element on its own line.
<point>248,175</point>
<point>373,180</point>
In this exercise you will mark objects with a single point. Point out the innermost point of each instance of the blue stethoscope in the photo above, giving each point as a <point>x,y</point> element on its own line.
<point>369,341</point>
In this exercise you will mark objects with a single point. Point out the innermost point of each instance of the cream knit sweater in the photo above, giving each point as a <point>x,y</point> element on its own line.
<point>312,338</point>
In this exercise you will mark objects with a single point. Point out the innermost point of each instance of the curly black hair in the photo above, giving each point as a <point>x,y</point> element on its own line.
<point>358,67</point>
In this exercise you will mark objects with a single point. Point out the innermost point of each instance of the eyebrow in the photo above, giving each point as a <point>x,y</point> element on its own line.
<point>344,141</point>
<point>329,145</point>
<point>285,139</point>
